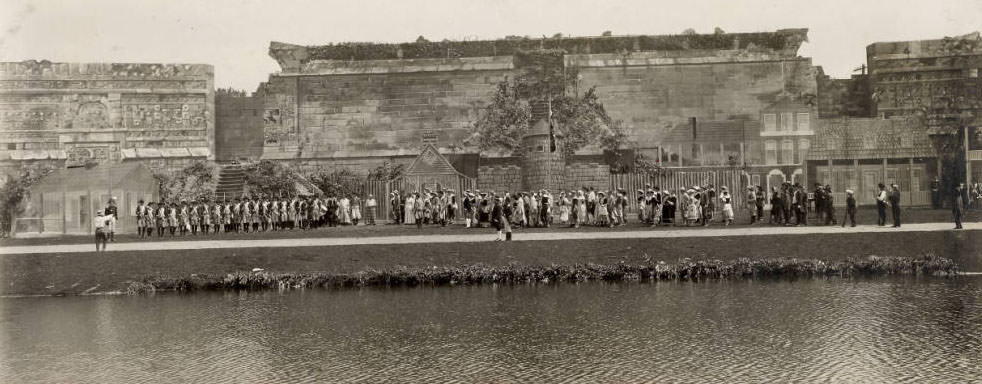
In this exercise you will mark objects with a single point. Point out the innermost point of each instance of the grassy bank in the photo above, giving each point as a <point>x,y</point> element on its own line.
<point>70,274</point>
<point>399,276</point>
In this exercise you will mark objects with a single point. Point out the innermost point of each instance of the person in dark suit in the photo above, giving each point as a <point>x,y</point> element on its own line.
<point>497,218</point>
<point>958,204</point>
<point>850,208</point>
<point>881,205</point>
<point>111,210</point>
<point>895,204</point>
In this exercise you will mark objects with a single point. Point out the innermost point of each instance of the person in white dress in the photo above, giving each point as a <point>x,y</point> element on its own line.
<point>410,216</point>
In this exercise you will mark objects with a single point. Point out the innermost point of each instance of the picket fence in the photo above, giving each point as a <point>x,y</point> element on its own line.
<point>736,182</point>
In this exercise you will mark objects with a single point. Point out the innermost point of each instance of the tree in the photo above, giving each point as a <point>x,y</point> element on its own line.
<point>338,182</point>
<point>582,120</point>
<point>274,179</point>
<point>12,193</point>
<point>388,171</point>
<point>197,182</point>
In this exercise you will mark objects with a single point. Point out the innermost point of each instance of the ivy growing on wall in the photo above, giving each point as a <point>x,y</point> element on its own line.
<point>512,45</point>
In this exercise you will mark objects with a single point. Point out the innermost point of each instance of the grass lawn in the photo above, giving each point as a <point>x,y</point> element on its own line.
<point>52,274</point>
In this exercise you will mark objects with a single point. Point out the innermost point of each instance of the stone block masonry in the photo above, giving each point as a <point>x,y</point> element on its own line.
<point>594,175</point>
<point>365,100</point>
<point>499,178</point>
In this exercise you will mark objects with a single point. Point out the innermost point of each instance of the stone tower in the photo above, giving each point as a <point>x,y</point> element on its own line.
<point>543,162</point>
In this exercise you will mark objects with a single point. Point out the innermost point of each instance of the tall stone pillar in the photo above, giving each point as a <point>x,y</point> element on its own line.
<point>543,161</point>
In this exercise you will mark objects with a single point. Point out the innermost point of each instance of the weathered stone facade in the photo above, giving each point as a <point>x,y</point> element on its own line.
<point>357,100</point>
<point>845,97</point>
<point>502,177</point>
<point>238,127</point>
<point>377,108</point>
<point>74,113</point>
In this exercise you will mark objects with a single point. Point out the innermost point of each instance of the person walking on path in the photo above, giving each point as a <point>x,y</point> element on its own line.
<point>895,204</point>
<point>498,221</point>
<point>881,206</point>
<point>829,206</point>
<point>370,207</point>
<point>751,203</point>
<point>727,200</point>
<point>101,225</point>
<point>111,210</point>
<point>850,208</point>
<point>355,210</point>
<point>958,205</point>
<point>419,212</point>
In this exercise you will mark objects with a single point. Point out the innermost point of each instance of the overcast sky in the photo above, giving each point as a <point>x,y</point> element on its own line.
<point>234,35</point>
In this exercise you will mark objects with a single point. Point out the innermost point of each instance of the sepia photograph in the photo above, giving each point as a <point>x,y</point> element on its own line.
<point>490,191</point>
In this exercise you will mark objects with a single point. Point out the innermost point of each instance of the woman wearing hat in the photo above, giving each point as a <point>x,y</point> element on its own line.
<point>693,206</point>
<point>370,206</point>
<point>419,212</point>
<point>410,214</point>
<point>603,213</point>
<point>564,208</point>
<point>581,208</point>
<point>727,200</point>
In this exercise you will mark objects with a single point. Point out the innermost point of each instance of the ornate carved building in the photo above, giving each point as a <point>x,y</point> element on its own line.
<point>71,114</point>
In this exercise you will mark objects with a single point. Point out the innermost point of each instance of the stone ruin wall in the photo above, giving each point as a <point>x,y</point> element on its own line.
<point>387,106</point>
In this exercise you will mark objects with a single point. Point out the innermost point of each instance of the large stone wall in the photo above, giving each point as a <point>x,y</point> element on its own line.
<point>502,177</point>
<point>656,94</point>
<point>593,175</point>
<point>365,100</point>
<point>238,127</point>
<point>106,112</point>
<point>382,108</point>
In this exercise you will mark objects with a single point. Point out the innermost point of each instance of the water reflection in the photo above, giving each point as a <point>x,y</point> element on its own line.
<point>881,330</point>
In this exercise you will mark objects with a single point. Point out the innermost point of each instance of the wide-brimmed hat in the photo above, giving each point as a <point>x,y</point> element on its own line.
<point>849,192</point>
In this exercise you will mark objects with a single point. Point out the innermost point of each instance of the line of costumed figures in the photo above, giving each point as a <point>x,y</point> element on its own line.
<point>697,205</point>
<point>252,215</point>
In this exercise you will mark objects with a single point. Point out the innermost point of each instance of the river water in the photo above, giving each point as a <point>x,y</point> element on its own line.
<point>838,330</point>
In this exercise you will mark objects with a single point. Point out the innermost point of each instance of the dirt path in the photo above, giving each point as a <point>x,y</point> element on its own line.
<point>486,235</point>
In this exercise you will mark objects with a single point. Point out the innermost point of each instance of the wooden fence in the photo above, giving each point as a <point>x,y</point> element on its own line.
<point>736,182</point>
<point>409,184</point>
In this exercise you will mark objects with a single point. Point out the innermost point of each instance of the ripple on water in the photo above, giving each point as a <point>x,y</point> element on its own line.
<point>877,330</point>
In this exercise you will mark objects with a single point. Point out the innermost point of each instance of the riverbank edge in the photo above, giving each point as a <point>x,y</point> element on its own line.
<point>684,270</point>
<point>63,274</point>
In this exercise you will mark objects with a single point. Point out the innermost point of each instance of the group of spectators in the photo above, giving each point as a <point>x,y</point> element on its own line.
<point>573,208</point>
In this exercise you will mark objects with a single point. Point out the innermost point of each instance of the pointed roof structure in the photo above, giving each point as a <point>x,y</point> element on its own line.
<point>431,162</point>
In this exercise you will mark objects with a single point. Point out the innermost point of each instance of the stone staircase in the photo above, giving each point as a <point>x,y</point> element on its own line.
<point>231,183</point>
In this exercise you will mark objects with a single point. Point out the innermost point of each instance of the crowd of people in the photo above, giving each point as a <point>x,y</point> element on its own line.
<point>790,204</point>
<point>584,207</point>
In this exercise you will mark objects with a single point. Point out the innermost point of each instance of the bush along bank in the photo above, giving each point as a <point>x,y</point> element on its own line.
<point>685,269</point>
